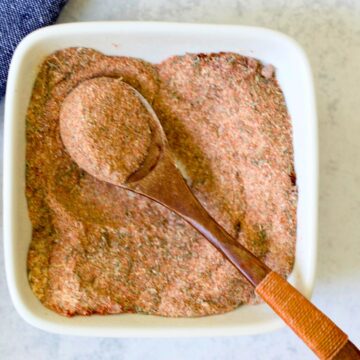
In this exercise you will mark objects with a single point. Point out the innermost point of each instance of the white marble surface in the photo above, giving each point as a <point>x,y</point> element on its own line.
<point>329,30</point>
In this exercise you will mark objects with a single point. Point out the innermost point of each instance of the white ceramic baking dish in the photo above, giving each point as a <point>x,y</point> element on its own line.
<point>154,42</point>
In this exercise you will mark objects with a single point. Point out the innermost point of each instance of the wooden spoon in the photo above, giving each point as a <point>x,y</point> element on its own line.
<point>159,179</point>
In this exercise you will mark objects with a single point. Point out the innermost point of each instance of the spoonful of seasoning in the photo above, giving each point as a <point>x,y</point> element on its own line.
<point>112,132</point>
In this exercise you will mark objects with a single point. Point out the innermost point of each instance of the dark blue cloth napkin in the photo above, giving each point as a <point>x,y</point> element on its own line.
<point>17,19</point>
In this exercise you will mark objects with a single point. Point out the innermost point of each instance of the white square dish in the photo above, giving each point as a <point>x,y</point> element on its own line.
<point>154,42</point>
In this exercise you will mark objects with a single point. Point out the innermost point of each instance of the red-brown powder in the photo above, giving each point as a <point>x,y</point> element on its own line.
<point>97,248</point>
<point>105,128</point>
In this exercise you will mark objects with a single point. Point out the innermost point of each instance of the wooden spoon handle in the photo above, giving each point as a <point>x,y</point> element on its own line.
<point>317,331</point>
<point>348,352</point>
<point>309,323</point>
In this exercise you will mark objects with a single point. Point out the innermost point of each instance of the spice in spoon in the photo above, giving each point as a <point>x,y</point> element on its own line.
<point>105,128</point>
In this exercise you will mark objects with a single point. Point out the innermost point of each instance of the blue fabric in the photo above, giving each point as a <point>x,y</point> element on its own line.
<point>17,19</point>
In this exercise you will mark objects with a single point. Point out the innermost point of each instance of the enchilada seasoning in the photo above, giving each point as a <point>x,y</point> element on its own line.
<point>97,248</point>
<point>105,128</point>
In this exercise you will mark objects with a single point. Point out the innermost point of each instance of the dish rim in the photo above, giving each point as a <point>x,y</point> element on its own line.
<point>9,174</point>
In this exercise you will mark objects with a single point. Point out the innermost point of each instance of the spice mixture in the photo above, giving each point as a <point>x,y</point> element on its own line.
<point>105,128</point>
<point>97,248</point>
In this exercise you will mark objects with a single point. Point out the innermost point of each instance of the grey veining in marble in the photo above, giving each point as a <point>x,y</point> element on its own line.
<point>329,30</point>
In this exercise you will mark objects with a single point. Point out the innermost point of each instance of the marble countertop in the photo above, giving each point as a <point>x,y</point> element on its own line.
<point>329,30</point>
